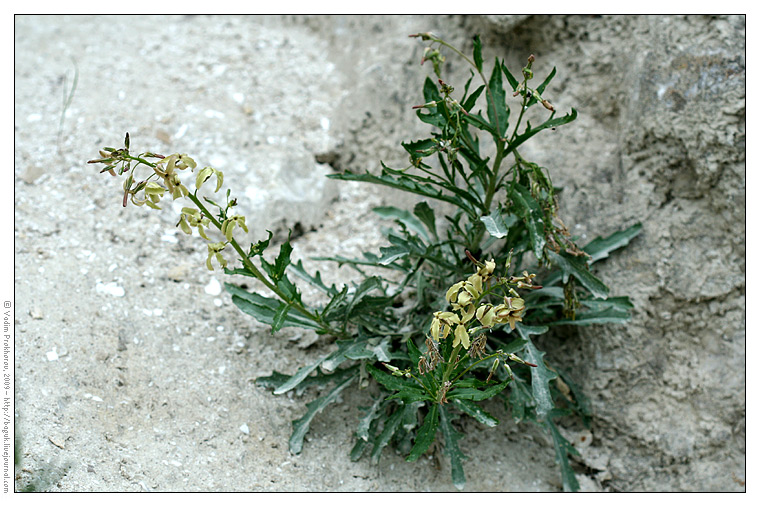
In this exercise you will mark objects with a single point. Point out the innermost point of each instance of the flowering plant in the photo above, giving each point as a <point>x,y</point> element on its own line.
<point>464,289</point>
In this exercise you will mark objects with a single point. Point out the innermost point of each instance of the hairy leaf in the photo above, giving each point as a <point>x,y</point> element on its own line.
<point>477,53</point>
<point>301,426</point>
<point>514,83</point>
<point>600,311</point>
<point>576,267</point>
<point>473,410</point>
<point>451,448</point>
<point>265,309</point>
<point>391,425</point>
<point>426,214</point>
<point>496,104</point>
<point>600,247</point>
<point>561,449</point>
<point>530,211</point>
<point>498,225</point>
<point>426,434</point>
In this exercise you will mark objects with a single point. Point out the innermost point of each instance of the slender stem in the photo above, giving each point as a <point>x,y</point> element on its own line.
<point>485,81</point>
<point>453,360</point>
<point>497,354</point>
<point>258,274</point>
<point>421,384</point>
<point>247,261</point>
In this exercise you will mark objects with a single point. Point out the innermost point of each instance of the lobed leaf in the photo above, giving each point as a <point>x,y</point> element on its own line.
<point>391,425</point>
<point>571,265</point>
<point>301,426</point>
<point>498,225</point>
<point>540,374</point>
<point>477,53</point>
<point>514,83</point>
<point>426,214</point>
<point>600,247</point>
<point>451,448</point>
<point>530,211</point>
<point>561,449</point>
<point>265,309</point>
<point>426,434</point>
<point>497,111</point>
<point>474,411</point>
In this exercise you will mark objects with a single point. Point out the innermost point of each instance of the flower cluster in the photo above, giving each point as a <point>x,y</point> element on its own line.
<point>469,314</point>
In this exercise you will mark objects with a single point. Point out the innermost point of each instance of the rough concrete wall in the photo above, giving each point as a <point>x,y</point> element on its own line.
<point>142,396</point>
<point>661,140</point>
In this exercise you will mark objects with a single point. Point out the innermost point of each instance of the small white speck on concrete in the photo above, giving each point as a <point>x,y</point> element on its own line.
<point>244,429</point>
<point>111,288</point>
<point>213,287</point>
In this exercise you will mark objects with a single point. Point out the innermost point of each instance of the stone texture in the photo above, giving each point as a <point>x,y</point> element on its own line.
<point>272,100</point>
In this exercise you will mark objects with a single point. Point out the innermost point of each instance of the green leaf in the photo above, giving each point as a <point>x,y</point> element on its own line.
<point>277,270</point>
<point>600,311</point>
<point>279,318</point>
<point>391,425</point>
<point>546,82</point>
<point>451,447</point>
<point>469,103</point>
<point>368,285</point>
<point>514,83</point>
<point>301,426</point>
<point>298,377</point>
<point>335,309</point>
<point>561,449</point>
<point>520,399</point>
<point>498,225</point>
<point>409,394</point>
<point>540,378</point>
<point>550,123</point>
<point>530,211</point>
<point>259,247</point>
<point>265,309</point>
<point>477,53</point>
<point>600,247</point>
<point>388,254</point>
<point>496,104</point>
<point>576,267</point>
<point>277,379</point>
<point>372,413</point>
<point>426,214</point>
<point>315,280</point>
<point>471,393</point>
<point>473,410</point>
<point>425,435</point>
<point>416,185</point>
<point>391,382</point>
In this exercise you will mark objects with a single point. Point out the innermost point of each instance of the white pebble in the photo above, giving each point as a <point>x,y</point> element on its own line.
<point>111,288</point>
<point>238,97</point>
<point>181,131</point>
<point>213,288</point>
<point>52,355</point>
<point>244,429</point>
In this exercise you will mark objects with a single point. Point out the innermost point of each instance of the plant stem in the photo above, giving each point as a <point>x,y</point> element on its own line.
<point>249,265</point>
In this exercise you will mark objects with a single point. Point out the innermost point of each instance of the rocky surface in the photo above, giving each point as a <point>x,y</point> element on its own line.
<point>135,372</point>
